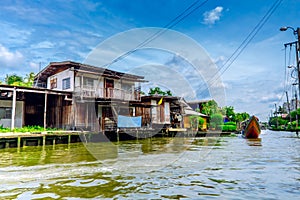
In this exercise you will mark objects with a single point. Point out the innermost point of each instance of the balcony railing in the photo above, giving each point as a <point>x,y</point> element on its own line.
<point>109,93</point>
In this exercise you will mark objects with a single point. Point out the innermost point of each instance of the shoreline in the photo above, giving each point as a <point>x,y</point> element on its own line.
<point>18,140</point>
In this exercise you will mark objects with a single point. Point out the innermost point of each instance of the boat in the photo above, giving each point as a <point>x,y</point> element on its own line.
<point>252,129</point>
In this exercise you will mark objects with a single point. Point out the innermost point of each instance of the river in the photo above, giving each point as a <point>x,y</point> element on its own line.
<point>157,168</point>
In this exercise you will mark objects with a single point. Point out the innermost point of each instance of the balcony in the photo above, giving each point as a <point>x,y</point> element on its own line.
<point>109,93</point>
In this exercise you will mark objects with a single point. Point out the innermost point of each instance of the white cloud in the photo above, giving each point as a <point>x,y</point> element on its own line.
<point>10,59</point>
<point>43,45</point>
<point>34,66</point>
<point>210,17</point>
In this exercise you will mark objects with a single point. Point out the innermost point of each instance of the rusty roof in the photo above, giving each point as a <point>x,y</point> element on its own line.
<point>56,67</point>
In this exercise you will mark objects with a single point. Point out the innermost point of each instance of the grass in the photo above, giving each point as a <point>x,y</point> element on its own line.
<point>25,129</point>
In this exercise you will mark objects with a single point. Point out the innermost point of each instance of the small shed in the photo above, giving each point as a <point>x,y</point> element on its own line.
<point>193,123</point>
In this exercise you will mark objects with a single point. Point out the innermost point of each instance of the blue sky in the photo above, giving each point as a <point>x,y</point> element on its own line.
<point>34,33</point>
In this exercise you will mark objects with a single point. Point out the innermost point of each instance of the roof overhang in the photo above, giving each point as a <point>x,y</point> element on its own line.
<point>56,67</point>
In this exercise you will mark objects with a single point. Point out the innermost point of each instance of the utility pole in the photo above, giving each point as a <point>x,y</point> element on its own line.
<point>298,70</point>
<point>296,33</point>
<point>296,113</point>
<point>276,115</point>
<point>288,104</point>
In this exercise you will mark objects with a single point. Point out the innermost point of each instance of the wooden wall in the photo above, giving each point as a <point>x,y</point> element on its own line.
<point>34,109</point>
<point>59,112</point>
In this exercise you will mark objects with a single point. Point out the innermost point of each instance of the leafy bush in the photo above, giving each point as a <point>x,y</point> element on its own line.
<point>212,125</point>
<point>230,123</point>
<point>201,121</point>
<point>228,128</point>
<point>216,120</point>
<point>4,130</point>
<point>30,129</point>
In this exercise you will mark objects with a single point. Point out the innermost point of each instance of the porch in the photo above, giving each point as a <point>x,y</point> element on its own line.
<point>109,93</point>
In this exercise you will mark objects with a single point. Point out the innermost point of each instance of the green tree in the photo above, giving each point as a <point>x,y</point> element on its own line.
<point>274,120</point>
<point>229,112</point>
<point>294,113</point>
<point>169,93</point>
<point>19,80</point>
<point>216,120</point>
<point>239,117</point>
<point>158,91</point>
<point>13,79</point>
<point>200,122</point>
<point>29,79</point>
<point>210,108</point>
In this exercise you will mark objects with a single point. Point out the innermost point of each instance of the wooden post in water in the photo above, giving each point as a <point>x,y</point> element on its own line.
<point>44,140</point>
<point>19,143</point>
<point>39,141</point>
<point>24,142</point>
<point>53,144</point>
<point>118,136</point>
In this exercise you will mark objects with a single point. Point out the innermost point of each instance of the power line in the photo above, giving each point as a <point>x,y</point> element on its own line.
<point>252,34</point>
<point>244,43</point>
<point>287,84</point>
<point>184,14</point>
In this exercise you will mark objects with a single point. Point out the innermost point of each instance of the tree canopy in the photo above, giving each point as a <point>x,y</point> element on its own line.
<point>158,91</point>
<point>14,79</point>
<point>211,108</point>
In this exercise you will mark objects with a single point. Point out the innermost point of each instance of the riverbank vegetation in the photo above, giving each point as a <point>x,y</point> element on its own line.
<point>224,119</point>
<point>26,129</point>
<point>283,121</point>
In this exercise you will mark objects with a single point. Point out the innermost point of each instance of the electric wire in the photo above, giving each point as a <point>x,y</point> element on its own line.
<point>190,10</point>
<point>288,78</point>
<point>184,14</point>
<point>244,44</point>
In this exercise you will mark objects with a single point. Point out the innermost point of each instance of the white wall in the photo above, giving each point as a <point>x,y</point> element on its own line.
<point>19,113</point>
<point>60,76</point>
<point>167,113</point>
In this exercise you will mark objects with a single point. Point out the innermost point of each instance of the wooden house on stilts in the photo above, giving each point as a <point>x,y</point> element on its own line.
<point>98,95</point>
<point>75,96</point>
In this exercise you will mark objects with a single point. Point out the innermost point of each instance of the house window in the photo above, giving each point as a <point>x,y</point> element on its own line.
<point>126,87</point>
<point>53,83</point>
<point>66,83</point>
<point>88,82</point>
<point>5,113</point>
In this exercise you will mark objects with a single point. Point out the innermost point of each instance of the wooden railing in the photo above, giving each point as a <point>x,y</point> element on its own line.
<point>110,93</point>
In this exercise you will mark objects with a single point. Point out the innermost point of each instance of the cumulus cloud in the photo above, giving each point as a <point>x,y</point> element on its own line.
<point>9,58</point>
<point>210,17</point>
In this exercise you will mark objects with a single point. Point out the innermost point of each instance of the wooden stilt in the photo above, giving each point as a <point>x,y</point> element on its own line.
<point>24,142</point>
<point>118,136</point>
<point>44,140</point>
<point>19,143</point>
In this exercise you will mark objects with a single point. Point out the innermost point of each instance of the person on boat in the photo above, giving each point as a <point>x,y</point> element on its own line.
<point>243,127</point>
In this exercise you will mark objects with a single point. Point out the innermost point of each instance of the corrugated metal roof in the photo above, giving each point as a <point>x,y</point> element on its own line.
<point>56,67</point>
